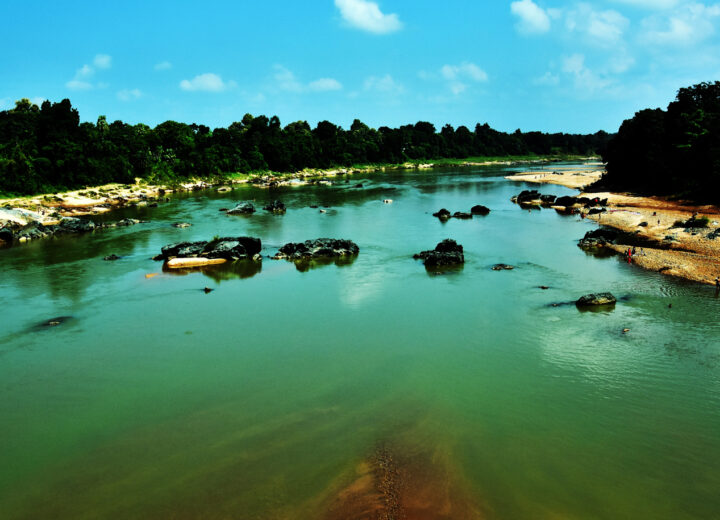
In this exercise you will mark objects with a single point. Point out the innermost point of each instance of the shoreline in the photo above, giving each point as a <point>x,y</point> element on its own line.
<point>50,208</point>
<point>688,253</point>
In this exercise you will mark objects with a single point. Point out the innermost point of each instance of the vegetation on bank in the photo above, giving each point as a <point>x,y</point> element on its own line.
<point>670,152</point>
<point>48,149</point>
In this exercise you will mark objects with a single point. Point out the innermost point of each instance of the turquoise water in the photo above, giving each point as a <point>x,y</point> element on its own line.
<point>156,400</point>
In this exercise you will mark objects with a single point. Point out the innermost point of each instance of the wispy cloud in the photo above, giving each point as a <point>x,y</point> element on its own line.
<point>286,80</point>
<point>585,80</point>
<point>458,75</point>
<point>689,24</point>
<point>532,19</point>
<point>163,65</point>
<point>82,78</point>
<point>384,84</point>
<point>129,94</point>
<point>102,61</point>
<point>367,16</point>
<point>207,82</point>
<point>602,28</point>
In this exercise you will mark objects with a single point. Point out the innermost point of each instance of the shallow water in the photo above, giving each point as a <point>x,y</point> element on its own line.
<point>258,400</point>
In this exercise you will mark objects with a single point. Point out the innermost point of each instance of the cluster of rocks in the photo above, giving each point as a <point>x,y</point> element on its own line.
<point>276,206</point>
<point>566,203</point>
<point>596,299</point>
<point>598,238</point>
<point>12,232</point>
<point>244,208</point>
<point>445,215</point>
<point>320,248</point>
<point>228,248</point>
<point>446,253</point>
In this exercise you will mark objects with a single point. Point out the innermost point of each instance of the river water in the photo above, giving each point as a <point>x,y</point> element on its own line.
<point>154,399</point>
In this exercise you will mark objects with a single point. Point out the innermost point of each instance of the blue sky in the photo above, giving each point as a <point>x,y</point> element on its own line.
<point>550,65</point>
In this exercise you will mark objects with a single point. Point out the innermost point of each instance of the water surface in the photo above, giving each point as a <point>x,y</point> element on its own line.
<point>156,400</point>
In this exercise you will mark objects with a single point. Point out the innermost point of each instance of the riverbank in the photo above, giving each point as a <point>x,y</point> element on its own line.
<point>692,253</point>
<point>49,208</point>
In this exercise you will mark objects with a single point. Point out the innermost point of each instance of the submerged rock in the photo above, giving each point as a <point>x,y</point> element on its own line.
<point>596,299</point>
<point>242,209</point>
<point>111,257</point>
<point>181,225</point>
<point>128,222</point>
<point>318,248</point>
<point>447,252</point>
<point>503,267</point>
<point>276,207</point>
<point>462,215</point>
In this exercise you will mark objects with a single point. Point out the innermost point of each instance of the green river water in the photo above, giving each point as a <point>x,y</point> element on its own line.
<point>156,400</point>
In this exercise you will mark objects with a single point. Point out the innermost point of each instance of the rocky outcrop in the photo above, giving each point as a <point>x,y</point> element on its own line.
<point>446,253</point>
<point>74,225</point>
<point>480,210</point>
<point>527,197</point>
<point>228,248</point>
<point>443,214</point>
<point>598,238</point>
<point>596,299</point>
<point>320,248</point>
<point>276,207</point>
<point>242,209</point>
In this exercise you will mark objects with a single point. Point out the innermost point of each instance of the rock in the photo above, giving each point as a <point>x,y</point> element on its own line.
<point>597,211</point>
<point>548,200</point>
<point>462,215</point>
<point>543,287</point>
<point>387,201</point>
<point>318,248</point>
<point>276,207</point>
<point>592,300</point>
<point>527,196</point>
<point>182,250</point>
<point>360,185</point>
<point>181,225</point>
<point>597,238</point>
<point>448,252</point>
<point>127,222</point>
<point>74,225</point>
<point>503,267</point>
<point>566,201</point>
<point>232,248</point>
<point>643,224</point>
<point>242,209</point>
<point>111,257</point>
<point>208,290</point>
<point>480,210</point>
<point>443,214</point>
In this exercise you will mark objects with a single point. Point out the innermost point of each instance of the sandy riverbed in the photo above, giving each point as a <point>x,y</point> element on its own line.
<point>675,251</point>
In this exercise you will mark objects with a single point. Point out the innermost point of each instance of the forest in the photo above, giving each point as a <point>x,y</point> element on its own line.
<point>669,152</point>
<point>48,149</point>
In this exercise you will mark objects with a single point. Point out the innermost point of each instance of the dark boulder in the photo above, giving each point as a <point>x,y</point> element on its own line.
<point>242,209</point>
<point>232,248</point>
<point>446,253</point>
<point>320,248</point>
<point>566,201</point>
<point>596,211</point>
<point>462,215</point>
<point>111,257</point>
<point>443,214</point>
<point>598,238</point>
<point>74,225</point>
<point>480,210</point>
<point>276,207</point>
<point>548,200</point>
<point>527,196</point>
<point>182,249</point>
<point>597,299</point>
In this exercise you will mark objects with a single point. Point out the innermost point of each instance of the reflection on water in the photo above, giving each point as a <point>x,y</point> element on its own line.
<point>290,395</point>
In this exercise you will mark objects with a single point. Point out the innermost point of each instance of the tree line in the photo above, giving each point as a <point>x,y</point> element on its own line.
<point>47,148</point>
<point>670,152</point>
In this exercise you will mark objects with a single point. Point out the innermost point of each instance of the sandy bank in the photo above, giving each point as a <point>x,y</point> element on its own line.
<point>693,253</point>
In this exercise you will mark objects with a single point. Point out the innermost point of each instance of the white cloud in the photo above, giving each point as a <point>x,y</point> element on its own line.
<point>367,16</point>
<point>686,25</point>
<point>77,84</point>
<point>207,82</point>
<point>285,80</point>
<point>585,80</point>
<point>457,74</point>
<point>547,79</point>
<point>102,61</point>
<point>129,94</point>
<point>383,84</point>
<point>532,19</point>
<point>324,85</point>
<point>163,65</point>
<point>85,71</point>
<point>602,28</point>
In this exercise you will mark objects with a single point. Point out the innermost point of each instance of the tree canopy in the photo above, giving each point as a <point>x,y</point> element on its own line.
<point>670,152</point>
<point>47,148</point>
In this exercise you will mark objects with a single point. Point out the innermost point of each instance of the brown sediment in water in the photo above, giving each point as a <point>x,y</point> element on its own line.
<point>393,485</point>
